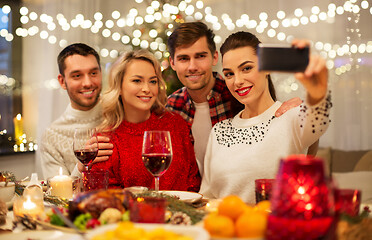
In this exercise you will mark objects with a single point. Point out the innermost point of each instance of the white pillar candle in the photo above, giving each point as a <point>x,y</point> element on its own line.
<point>61,185</point>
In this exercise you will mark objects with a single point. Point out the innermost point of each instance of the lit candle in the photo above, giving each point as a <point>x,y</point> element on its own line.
<point>263,189</point>
<point>61,185</point>
<point>27,207</point>
<point>302,203</point>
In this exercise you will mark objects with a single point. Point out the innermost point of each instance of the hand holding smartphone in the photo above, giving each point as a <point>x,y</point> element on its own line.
<point>282,58</point>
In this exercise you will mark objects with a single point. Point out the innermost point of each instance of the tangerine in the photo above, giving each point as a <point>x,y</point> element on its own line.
<point>251,225</point>
<point>219,225</point>
<point>263,206</point>
<point>231,206</point>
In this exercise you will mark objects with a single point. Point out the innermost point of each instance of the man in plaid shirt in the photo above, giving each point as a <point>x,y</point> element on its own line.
<point>205,99</point>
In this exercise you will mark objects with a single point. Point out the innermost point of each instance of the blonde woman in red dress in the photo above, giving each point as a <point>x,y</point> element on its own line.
<point>134,103</point>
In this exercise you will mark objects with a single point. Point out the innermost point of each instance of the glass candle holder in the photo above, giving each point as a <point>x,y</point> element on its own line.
<point>28,206</point>
<point>263,189</point>
<point>148,210</point>
<point>76,185</point>
<point>348,201</point>
<point>95,179</point>
<point>302,203</point>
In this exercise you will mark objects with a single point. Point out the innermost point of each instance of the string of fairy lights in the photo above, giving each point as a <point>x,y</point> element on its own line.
<point>43,25</point>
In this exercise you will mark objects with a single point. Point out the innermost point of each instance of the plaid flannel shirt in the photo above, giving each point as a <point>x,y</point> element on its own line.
<point>219,100</point>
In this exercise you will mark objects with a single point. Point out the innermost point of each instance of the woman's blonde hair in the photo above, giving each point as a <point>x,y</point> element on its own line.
<point>112,103</point>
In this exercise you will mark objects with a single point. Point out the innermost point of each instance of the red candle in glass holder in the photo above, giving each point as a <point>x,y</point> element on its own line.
<point>95,179</point>
<point>348,201</point>
<point>263,189</point>
<point>302,203</point>
<point>148,210</point>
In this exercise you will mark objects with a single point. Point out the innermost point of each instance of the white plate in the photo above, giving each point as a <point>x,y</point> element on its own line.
<point>195,232</point>
<point>185,196</point>
<point>41,235</point>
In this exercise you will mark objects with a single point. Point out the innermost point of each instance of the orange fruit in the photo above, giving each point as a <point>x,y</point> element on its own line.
<point>231,206</point>
<point>251,224</point>
<point>248,209</point>
<point>263,206</point>
<point>218,225</point>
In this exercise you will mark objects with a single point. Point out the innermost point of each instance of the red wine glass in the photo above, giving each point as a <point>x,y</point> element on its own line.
<point>157,153</point>
<point>85,146</point>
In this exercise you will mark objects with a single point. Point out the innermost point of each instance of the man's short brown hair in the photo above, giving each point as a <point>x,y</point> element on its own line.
<point>188,33</point>
<point>76,48</point>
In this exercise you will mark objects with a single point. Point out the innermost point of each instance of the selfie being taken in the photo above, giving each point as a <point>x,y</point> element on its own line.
<point>185,119</point>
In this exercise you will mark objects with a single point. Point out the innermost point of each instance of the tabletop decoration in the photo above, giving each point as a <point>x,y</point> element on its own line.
<point>114,205</point>
<point>61,185</point>
<point>7,176</point>
<point>95,179</point>
<point>55,200</point>
<point>263,189</point>
<point>355,227</point>
<point>348,201</point>
<point>28,206</point>
<point>177,208</point>
<point>148,210</point>
<point>31,202</point>
<point>302,203</point>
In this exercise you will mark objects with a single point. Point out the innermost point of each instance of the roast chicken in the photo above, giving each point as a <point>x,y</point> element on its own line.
<point>95,202</point>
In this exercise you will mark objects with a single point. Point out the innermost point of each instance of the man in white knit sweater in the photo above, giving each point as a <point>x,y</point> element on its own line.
<point>80,75</point>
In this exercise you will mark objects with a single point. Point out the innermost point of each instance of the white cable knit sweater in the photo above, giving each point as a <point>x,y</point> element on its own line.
<point>56,145</point>
<point>242,150</point>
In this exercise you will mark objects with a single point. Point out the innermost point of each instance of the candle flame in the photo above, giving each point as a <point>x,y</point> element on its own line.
<point>19,116</point>
<point>309,206</point>
<point>60,171</point>
<point>263,186</point>
<point>28,204</point>
<point>355,196</point>
<point>301,190</point>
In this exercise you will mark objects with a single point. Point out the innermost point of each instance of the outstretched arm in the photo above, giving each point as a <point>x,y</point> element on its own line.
<point>315,77</point>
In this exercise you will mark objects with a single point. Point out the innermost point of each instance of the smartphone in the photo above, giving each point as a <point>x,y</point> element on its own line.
<point>282,58</point>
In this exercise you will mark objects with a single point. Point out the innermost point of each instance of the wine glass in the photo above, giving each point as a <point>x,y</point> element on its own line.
<point>85,146</point>
<point>157,153</point>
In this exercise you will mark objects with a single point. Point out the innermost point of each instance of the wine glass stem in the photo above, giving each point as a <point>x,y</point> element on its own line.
<point>156,183</point>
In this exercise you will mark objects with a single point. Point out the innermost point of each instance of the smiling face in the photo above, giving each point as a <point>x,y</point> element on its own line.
<point>139,90</point>
<point>245,82</point>
<point>193,64</point>
<point>82,80</point>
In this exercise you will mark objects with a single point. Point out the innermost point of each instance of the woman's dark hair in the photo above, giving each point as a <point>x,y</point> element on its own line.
<point>245,39</point>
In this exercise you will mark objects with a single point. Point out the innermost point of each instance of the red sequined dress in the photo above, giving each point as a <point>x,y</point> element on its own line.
<point>125,164</point>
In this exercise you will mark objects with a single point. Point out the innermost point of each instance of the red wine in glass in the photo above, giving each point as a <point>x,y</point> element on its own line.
<point>85,156</point>
<point>157,153</point>
<point>85,146</point>
<point>157,163</point>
